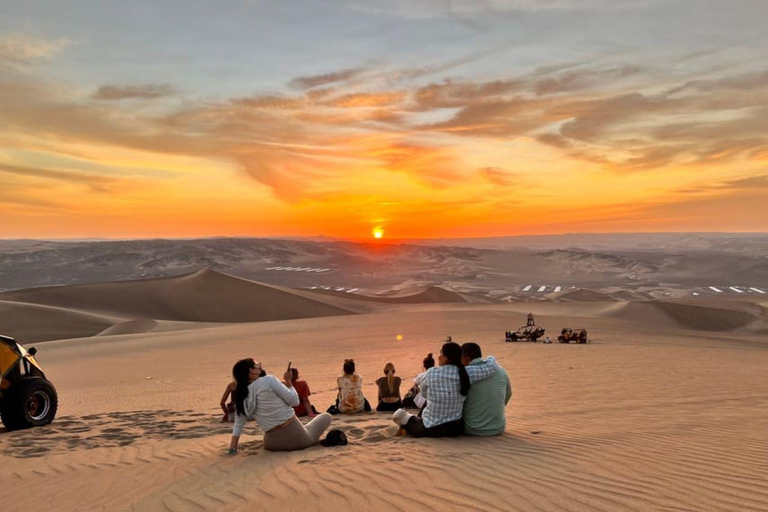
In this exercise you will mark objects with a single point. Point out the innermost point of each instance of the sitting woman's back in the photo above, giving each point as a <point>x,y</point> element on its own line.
<point>271,403</point>
<point>351,397</point>
<point>389,390</point>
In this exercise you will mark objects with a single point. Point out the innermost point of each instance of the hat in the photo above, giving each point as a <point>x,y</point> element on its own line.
<point>335,438</point>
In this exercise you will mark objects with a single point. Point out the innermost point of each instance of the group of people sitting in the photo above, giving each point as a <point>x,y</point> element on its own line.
<point>464,394</point>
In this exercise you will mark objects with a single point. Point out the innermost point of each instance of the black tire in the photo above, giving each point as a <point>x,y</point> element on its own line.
<point>30,402</point>
<point>513,337</point>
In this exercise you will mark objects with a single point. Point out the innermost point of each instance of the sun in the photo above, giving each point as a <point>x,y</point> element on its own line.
<point>378,232</point>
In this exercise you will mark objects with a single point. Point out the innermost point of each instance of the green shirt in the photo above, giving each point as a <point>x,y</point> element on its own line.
<point>484,408</point>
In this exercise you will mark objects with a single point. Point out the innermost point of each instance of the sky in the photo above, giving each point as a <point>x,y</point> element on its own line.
<point>412,119</point>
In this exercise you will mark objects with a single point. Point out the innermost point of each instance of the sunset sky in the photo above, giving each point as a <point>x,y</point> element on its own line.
<point>419,118</point>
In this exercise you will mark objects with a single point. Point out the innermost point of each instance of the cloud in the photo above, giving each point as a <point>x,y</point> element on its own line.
<point>17,48</point>
<point>310,82</point>
<point>304,144</point>
<point>757,182</point>
<point>95,183</point>
<point>362,100</point>
<point>144,92</point>
<point>499,176</point>
<point>580,79</point>
<point>453,8</point>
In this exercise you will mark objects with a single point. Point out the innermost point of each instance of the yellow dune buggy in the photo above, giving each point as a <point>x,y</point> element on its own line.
<point>27,398</point>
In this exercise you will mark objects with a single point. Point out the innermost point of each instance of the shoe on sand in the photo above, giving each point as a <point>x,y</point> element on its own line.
<point>401,417</point>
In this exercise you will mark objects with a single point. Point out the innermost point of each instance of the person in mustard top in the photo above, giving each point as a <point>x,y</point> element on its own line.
<point>350,399</point>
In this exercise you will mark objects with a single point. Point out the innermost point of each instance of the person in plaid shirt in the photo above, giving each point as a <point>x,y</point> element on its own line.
<point>445,388</point>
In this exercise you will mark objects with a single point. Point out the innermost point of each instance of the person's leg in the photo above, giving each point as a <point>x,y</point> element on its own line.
<point>317,426</point>
<point>290,437</point>
<point>415,427</point>
<point>385,406</point>
<point>450,429</point>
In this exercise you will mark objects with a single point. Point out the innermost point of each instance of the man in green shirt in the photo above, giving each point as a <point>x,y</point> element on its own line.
<point>484,407</point>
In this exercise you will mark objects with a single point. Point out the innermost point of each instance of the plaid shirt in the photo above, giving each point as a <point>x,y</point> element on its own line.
<point>441,389</point>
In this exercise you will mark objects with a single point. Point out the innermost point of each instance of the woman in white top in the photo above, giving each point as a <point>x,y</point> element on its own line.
<point>271,403</point>
<point>429,362</point>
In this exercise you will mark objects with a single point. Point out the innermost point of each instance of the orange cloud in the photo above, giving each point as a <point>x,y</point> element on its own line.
<point>331,156</point>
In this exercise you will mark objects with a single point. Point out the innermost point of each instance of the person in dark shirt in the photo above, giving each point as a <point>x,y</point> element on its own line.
<point>389,390</point>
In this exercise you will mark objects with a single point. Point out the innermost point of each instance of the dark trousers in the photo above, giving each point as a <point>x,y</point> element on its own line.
<point>386,406</point>
<point>334,409</point>
<point>415,427</point>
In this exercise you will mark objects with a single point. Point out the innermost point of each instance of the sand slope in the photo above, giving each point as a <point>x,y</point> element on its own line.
<point>204,296</point>
<point>702,315</point>
<point>584,295</point>
<point>30,323</point>
<point>412,295</point>
<point>641,419</point>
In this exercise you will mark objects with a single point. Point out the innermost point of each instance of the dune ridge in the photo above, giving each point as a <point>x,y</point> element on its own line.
<point>32,323</point>
<point>702,317</point>
<point>203,296</point>
<point>584,295</point>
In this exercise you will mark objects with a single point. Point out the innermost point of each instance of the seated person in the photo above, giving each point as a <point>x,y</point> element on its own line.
<point>350,399</point>
<point>429,362</point>
<point>229,394</point>
<point>305,408</point>
<point>389,390</point>
<point>487,398</point>
<point>228,408</point>
<point>445,389</point>
<point>270,402</point>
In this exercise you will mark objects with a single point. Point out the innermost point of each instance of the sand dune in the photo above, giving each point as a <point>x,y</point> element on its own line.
<point>616,425</point>
<point>412,295</point>
<point>205,296</point>
<point>701,316</point>
<point>31,323</point>
<point>584,295</point>
<point>130,327</point>
<point>630,296</point>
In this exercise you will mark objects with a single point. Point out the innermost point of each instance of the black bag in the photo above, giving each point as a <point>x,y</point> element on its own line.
<point>335,438</point>
<point>409,396</point>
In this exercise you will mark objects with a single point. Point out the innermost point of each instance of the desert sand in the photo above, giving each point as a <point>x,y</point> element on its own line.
<point>665,408</point>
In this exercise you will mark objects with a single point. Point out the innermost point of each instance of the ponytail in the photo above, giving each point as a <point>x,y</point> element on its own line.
<point>389,371</point>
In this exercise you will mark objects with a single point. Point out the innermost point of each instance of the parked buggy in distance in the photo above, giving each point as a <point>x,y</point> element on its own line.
<point>27,398</point>
<point>568,335</point>
<point>526,333</point>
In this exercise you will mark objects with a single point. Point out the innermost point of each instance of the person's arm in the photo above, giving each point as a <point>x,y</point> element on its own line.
<point>482,371</point>
<point>424,386</point>
<point>378,388</point>
<point>285,389</point>
<point>237,429</point>
<point>509,392</point>
<point>224,398</point>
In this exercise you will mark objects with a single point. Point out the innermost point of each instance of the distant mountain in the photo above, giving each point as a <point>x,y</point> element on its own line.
<point>515,268</point>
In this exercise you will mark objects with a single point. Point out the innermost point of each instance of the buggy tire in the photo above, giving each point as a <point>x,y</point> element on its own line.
<point>30,402</point>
